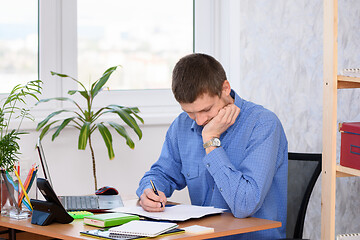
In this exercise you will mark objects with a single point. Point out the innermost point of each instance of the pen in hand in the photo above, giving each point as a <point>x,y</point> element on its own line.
<point>155,190</point>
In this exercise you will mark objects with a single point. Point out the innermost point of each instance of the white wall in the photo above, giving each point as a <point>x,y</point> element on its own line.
<point>281,67</point>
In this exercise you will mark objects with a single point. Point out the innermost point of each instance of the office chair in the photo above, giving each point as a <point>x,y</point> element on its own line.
<point>303,171</point>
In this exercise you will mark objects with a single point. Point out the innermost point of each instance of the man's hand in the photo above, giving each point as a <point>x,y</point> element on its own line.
<point>221,122</point>
<point>151,202</point>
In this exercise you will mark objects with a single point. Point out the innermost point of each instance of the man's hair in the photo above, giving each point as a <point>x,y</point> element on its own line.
<point>196,74</point>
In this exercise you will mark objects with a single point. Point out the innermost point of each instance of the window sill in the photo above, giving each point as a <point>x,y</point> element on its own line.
<point>152,116</point>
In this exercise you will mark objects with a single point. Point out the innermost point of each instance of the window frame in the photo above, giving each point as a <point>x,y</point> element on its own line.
<point>58,52</point>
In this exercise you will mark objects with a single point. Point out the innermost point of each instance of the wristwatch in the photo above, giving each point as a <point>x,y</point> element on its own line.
<point>214,142</point>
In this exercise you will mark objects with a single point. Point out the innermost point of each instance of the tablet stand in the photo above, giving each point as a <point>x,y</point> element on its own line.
<point>45,212</point>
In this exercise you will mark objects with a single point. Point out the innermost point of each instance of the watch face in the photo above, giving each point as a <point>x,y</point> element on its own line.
<point>216,142</point>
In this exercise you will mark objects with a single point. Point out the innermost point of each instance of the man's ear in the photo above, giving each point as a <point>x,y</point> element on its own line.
<point>226,88</point>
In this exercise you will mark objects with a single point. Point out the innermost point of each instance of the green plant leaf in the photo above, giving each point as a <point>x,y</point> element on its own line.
<point>61,99</point>
<point>9,149</point>
<point>84,135</point>
<point>57,99</point>
<point>83,93</point>
<point>97,86</point>
<point>61,127</point>
<point>67,76</point>
<point>59,74</point>
<point>127,118</point>
<point>121,130</point>
<point>106,135</point>
<point>45,121</point>
<point>135,111</point>
<point>33,95</point>
<point>46,129</point>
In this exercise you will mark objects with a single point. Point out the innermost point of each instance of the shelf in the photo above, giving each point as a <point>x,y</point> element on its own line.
<point>348,82</point>
<point>342,171</point>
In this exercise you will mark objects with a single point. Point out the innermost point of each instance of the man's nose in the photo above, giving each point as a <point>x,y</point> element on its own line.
<point>200,118</point>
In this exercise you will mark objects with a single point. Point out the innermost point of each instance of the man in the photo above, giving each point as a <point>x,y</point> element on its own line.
<point>229,152</point>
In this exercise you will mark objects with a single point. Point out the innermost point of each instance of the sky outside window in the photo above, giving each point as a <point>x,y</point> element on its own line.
<point>18,43</point>
<point>145,37</point>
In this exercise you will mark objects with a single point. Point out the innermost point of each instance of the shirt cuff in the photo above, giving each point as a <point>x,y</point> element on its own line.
<point>217,159</point>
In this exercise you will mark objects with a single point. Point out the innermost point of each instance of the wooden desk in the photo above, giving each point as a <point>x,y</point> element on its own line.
<point>224,224</point>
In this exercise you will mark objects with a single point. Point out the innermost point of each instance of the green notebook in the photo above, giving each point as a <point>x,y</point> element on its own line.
<point>109,219</point>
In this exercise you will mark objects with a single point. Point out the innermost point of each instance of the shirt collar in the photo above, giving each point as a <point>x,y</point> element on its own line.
<point>238,101</point>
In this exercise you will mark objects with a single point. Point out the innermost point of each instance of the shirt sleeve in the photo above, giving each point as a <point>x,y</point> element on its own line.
<point>245,188</point>
<point>166,172</point>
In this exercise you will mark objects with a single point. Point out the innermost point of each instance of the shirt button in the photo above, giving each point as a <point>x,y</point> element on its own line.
<point>188,175</point>
<point>208,165</point>
<point>220,189</point>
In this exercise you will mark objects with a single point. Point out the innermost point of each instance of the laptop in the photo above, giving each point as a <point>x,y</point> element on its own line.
<point>80,203</point>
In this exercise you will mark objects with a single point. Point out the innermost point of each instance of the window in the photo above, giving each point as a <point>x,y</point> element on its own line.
<point>73,37</point>
<point>145,37</point>
<point>18,43</point>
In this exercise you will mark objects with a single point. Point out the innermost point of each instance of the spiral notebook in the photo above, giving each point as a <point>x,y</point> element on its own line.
<point>142,228</point>
<point>104,234</point>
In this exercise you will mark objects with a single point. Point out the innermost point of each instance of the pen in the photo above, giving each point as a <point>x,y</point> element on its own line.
<point>155,191</point>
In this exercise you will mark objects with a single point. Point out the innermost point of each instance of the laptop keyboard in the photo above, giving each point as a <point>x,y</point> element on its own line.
<point>81,202</point>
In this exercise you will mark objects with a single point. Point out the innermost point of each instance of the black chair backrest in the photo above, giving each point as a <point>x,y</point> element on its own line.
<point>303,171</point>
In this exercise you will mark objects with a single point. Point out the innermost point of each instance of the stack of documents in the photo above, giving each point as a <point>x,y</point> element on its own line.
<point>172,213</point>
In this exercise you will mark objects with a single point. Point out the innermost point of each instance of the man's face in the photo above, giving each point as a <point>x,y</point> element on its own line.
<point>204,108</point>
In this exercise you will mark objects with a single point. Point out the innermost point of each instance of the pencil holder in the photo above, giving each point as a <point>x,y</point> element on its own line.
<point>14,202</point>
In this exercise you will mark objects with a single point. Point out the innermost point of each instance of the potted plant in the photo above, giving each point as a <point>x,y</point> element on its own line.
<point>87,119</point>
<point>10,109</point>
<point>14,106</point>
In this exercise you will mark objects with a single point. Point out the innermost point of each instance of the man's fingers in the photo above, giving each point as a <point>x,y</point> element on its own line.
<point>221,122</point>
<point>229,115</point>
<point>233,115</point>
<point>148,207</point>
<point>150,202</point>
<point>151,195</point>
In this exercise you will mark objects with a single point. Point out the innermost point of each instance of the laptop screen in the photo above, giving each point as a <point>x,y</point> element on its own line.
<point>43,162</point>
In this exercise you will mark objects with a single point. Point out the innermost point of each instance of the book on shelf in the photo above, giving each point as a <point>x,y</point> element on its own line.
<point>109,219</point>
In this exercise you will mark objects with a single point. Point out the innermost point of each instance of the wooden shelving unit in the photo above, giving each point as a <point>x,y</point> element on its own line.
<point>332,82</point>
<point>342,171</point>
<point>348,82</point>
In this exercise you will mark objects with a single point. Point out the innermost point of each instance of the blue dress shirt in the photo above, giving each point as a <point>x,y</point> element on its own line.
<point>246,175</point>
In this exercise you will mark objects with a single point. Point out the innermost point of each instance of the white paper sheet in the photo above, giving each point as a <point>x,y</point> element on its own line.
<point>172,213</point>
